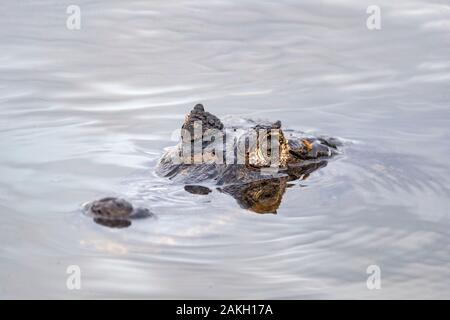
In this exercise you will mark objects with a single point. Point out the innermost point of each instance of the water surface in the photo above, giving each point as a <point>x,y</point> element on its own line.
<point>87,113</point>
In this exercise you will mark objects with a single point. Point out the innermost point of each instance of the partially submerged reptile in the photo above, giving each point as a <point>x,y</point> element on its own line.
<point>253,162</point>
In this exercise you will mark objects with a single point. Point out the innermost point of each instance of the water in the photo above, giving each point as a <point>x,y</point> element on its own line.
<point>88,113</point>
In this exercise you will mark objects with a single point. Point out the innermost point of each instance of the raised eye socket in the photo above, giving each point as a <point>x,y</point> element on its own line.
<point>267,145</point>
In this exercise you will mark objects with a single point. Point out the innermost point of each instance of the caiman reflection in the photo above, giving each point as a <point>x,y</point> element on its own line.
<point>262,196</point>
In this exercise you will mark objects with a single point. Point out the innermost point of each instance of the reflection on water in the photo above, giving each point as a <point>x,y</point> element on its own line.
<point>265,196</point>
<point>113,223</point>
<point>86,114</point>
<point>262,196</point>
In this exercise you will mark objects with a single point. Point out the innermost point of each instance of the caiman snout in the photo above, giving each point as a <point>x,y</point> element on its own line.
<point>111,208</point>
<point>115,212</point>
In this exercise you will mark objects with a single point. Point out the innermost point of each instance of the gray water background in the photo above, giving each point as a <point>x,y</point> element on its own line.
<point>87,113</point>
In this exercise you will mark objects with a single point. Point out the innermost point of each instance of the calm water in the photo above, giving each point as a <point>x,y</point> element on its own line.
<point>88,113</point>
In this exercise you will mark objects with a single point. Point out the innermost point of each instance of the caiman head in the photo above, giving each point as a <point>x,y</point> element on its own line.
<point>264,145</point>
